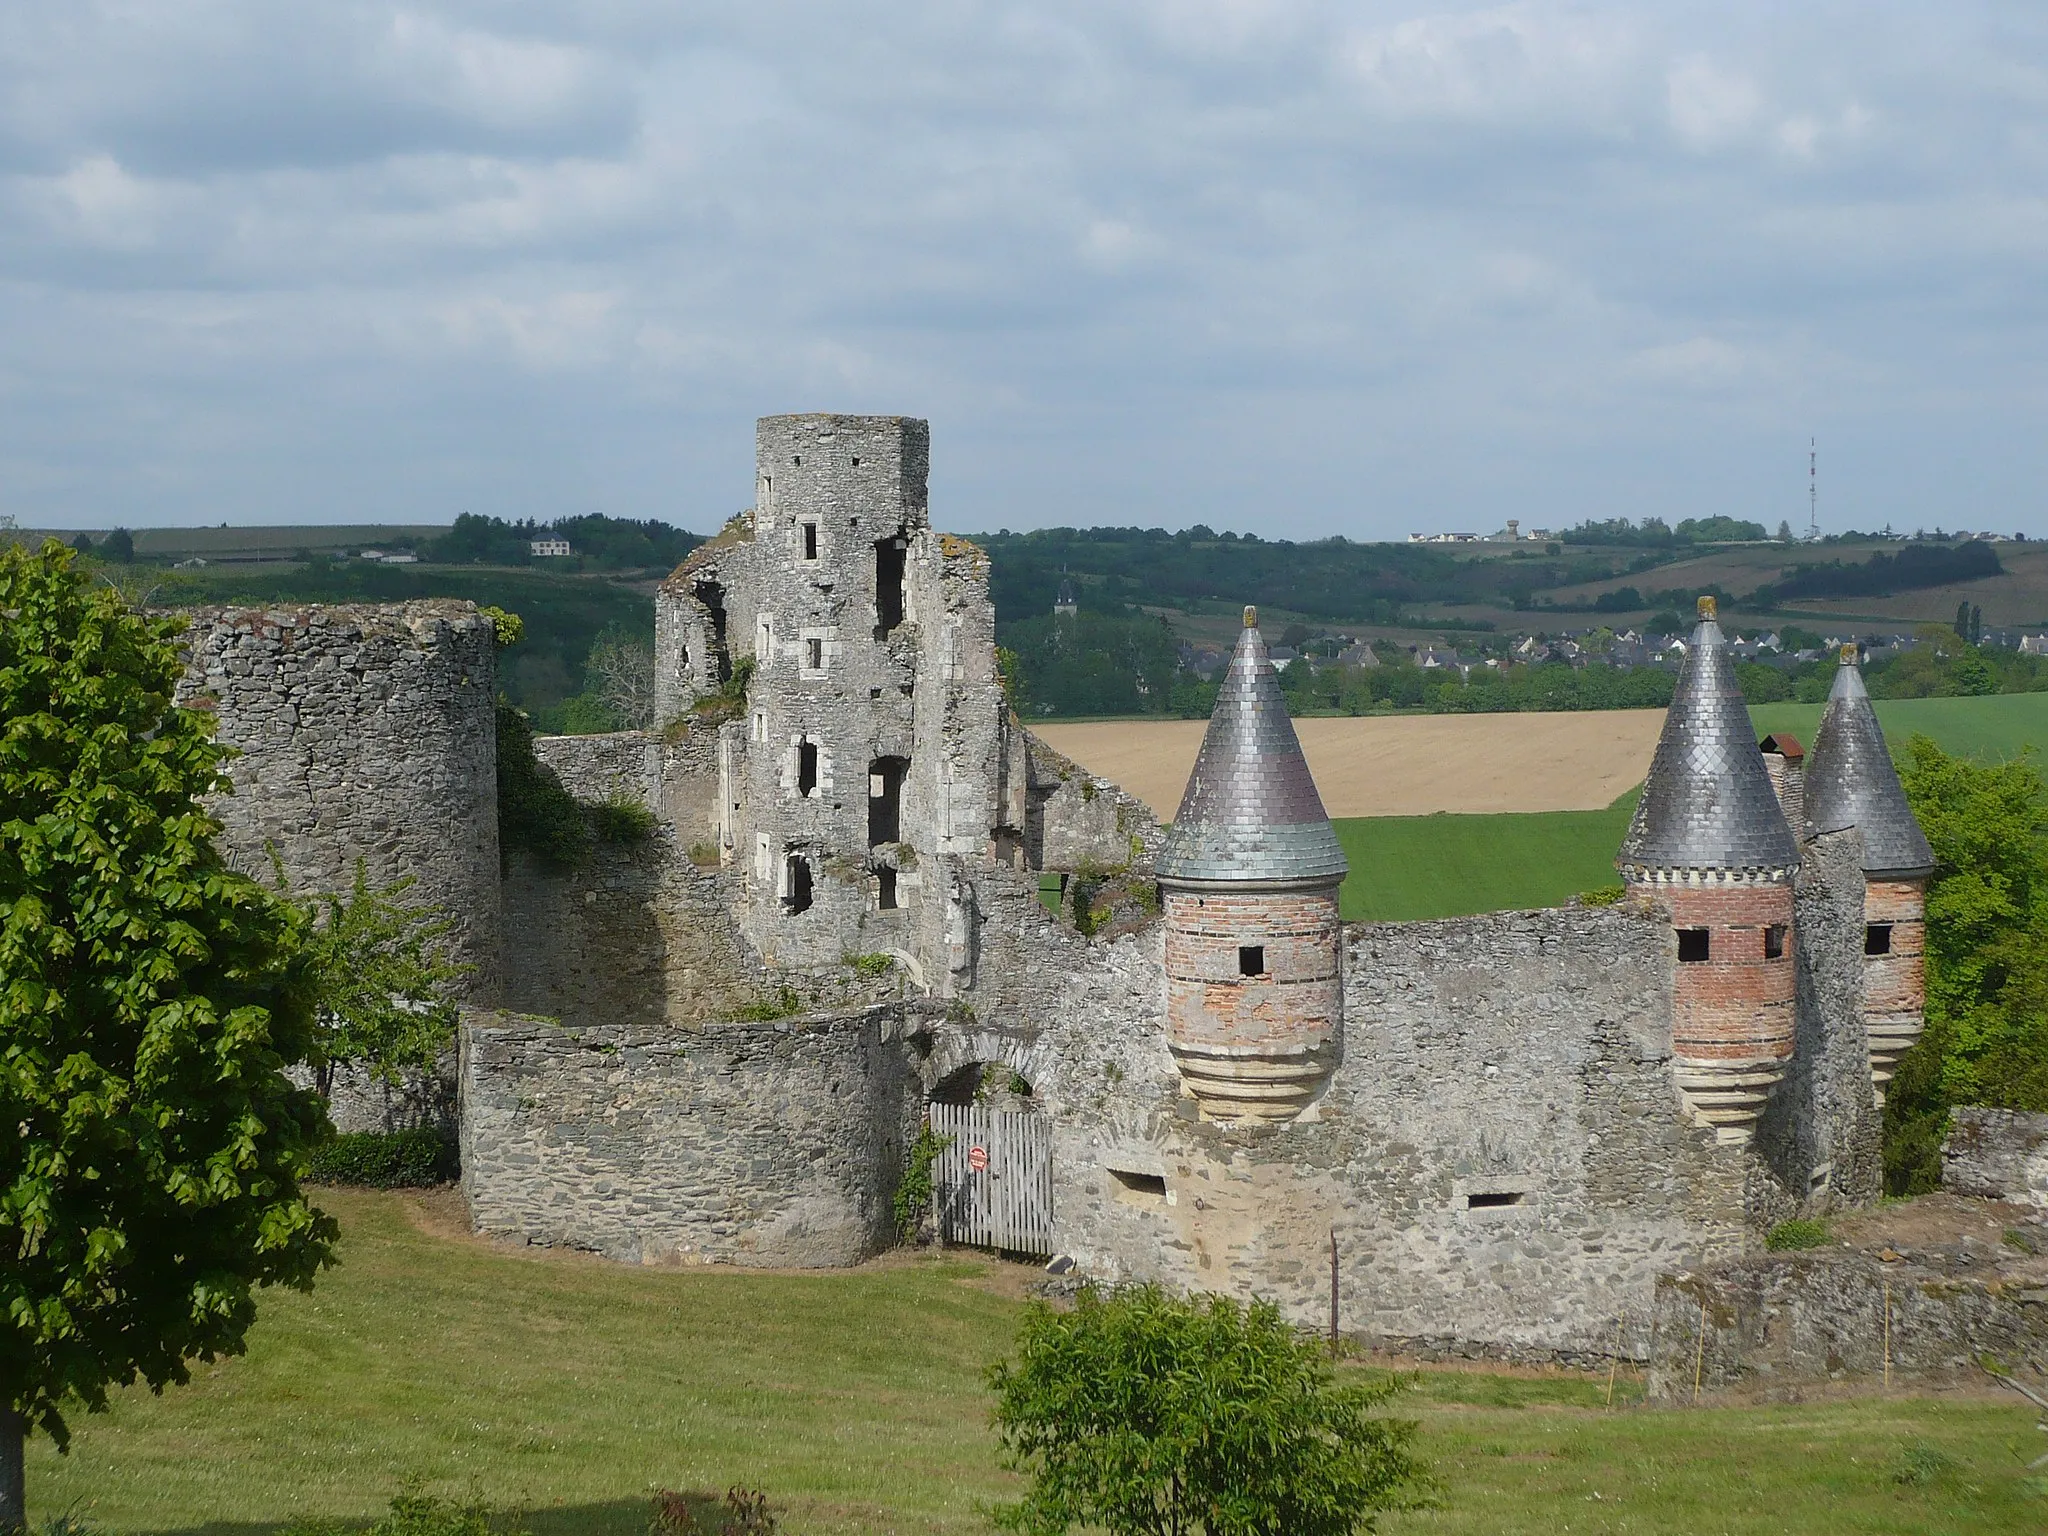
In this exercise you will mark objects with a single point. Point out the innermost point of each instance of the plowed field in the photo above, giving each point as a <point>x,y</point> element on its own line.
<point>1401,765</point>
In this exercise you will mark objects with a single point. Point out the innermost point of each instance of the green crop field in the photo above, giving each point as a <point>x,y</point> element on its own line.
<point>854,1399</point>
<point>1409,867</point>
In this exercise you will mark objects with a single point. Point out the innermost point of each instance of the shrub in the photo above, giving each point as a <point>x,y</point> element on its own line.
<point>623,820</point>
<point>1141,1412</point>
<point>780,1006</point>
<point>422,1514</point>
<point>1603,896</point>
<point>870,965</point>
<point>913,1197</point>
<point>386,1160</point>
<point>1790,1236</point>
<point>534,811</point>
<point>742,1512</point>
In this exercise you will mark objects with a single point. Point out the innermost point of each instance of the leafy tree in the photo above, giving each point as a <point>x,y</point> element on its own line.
<point>149,1000</point>
<point>1146,1414</point>
<point>1987,955</point>
<point>83,543</point>
<point>119,546</point>
<point>382,978</point>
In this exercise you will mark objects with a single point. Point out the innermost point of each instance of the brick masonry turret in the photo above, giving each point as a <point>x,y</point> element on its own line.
<point>1711,844</point>
<point>1853,784</point>
<point>1249,876</point>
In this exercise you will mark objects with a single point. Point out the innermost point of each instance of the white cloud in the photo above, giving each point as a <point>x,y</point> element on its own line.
<point>1325,265</point>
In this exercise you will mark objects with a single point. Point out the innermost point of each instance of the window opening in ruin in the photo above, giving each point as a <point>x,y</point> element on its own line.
<point>856,461</point>
<point>1877,939</point>
<point>1692,944</point>
<point>760,725</point>
<point>797,880</point>
<point>807,768</point>
<point>1774,942</point>
<point>1492,1199</point>
<point>1251,959</point>
<point>885,889</point>
<point>1151,1184</point>
<point>810,540</point>
<point>885,799</point>
<point>814,654</point>
<point>890,554</point>
<point>712,596</point>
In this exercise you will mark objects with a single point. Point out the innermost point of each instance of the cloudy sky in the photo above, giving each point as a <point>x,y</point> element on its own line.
<point>1280,265</point>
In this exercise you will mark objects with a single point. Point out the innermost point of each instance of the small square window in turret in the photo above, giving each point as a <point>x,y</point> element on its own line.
<point>1774,942</point>
<point>1877,939</point>
<point>1693,944</point>
<point>1251,960</point>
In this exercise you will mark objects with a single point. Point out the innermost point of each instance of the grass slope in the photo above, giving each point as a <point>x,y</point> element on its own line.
<point>855,1400</point>
<point>1409,867</point>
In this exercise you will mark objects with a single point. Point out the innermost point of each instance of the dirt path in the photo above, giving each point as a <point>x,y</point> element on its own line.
<point>1401,765</point>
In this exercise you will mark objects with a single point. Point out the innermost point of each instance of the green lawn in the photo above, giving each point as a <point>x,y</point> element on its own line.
<point>854,1399</point>
<point>1409,867</point>
<point>2000,726</point>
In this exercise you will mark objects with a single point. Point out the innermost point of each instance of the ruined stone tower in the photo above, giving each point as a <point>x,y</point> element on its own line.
<point>1249,877</point>
<point>1710,843</point>
<point>1851,783</point>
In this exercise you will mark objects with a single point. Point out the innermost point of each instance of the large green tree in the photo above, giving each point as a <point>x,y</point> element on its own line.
<point>1986,1040</point>
<point>1142,1413</point>
<point>150,998</point>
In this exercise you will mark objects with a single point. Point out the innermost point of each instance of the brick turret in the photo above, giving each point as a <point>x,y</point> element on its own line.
<point>1851,783</point>
<point>1249,877</point>
<point>1710,842</point>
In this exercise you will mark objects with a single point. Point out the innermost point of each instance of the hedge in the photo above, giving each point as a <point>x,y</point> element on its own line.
<point>386,1159</point>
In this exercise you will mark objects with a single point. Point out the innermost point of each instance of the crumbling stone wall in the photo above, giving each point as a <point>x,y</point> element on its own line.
<point>1075,819</point>
<point>1786,1319</point>
<point>767,1144</point>
<point>1500,1155</point>
<point>365,733</point>
<point>1997,1154</point>
<point>638,936</point>
<point>1820,1138</point>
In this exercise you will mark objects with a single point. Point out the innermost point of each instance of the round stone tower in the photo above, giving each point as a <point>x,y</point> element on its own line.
<point>1710,843</point>
<point>1850,782</point>
<point>1249,877</point>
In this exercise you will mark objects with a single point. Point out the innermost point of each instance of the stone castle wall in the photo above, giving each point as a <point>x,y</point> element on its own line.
<point>365,733</point>
<point>761,1144</point>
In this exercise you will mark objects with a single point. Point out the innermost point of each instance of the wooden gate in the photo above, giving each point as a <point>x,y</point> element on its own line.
<point>1005,1203</point>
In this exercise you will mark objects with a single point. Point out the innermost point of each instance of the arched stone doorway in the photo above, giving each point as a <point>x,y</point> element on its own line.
<point>992,1182</point>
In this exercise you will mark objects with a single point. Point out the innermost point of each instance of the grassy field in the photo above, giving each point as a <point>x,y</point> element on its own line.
<point>855,1399</point>
<point>1409,867</point>
<point>2001,726</point>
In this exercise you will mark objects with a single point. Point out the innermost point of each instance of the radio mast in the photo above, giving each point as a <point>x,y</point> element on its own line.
<point>1812,492</point>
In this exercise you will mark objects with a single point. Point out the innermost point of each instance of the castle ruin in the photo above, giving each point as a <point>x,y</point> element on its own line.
<point>873,897</point>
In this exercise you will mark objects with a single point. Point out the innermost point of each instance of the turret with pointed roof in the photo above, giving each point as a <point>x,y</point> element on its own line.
<point>1710,842</point>
<point>1251,811</point>
<point>1248,879</point>
<point>1708,804</point>
<point>1850,782</point>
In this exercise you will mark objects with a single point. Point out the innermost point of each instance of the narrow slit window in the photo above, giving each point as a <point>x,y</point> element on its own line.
<point>810,540</point>
<point>1693,945</point>
<point>814,655</point>
<point>1492,1199</point>
<point>1251,959</point>
<point>1877,939</point>
<point>1774,942</point>
<point>807,768</point>
<point>890,557</point>
<point>885,889</point>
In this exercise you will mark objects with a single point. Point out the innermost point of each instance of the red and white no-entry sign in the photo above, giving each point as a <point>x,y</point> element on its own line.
<point>977,1159</point>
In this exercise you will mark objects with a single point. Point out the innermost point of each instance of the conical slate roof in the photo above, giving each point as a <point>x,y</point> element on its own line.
<point>1708,802</point>
<point>1251,811</point>
<point>1850,782</point>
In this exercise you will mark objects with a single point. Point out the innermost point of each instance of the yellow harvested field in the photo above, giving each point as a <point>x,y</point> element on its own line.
<point>1401,765</point>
